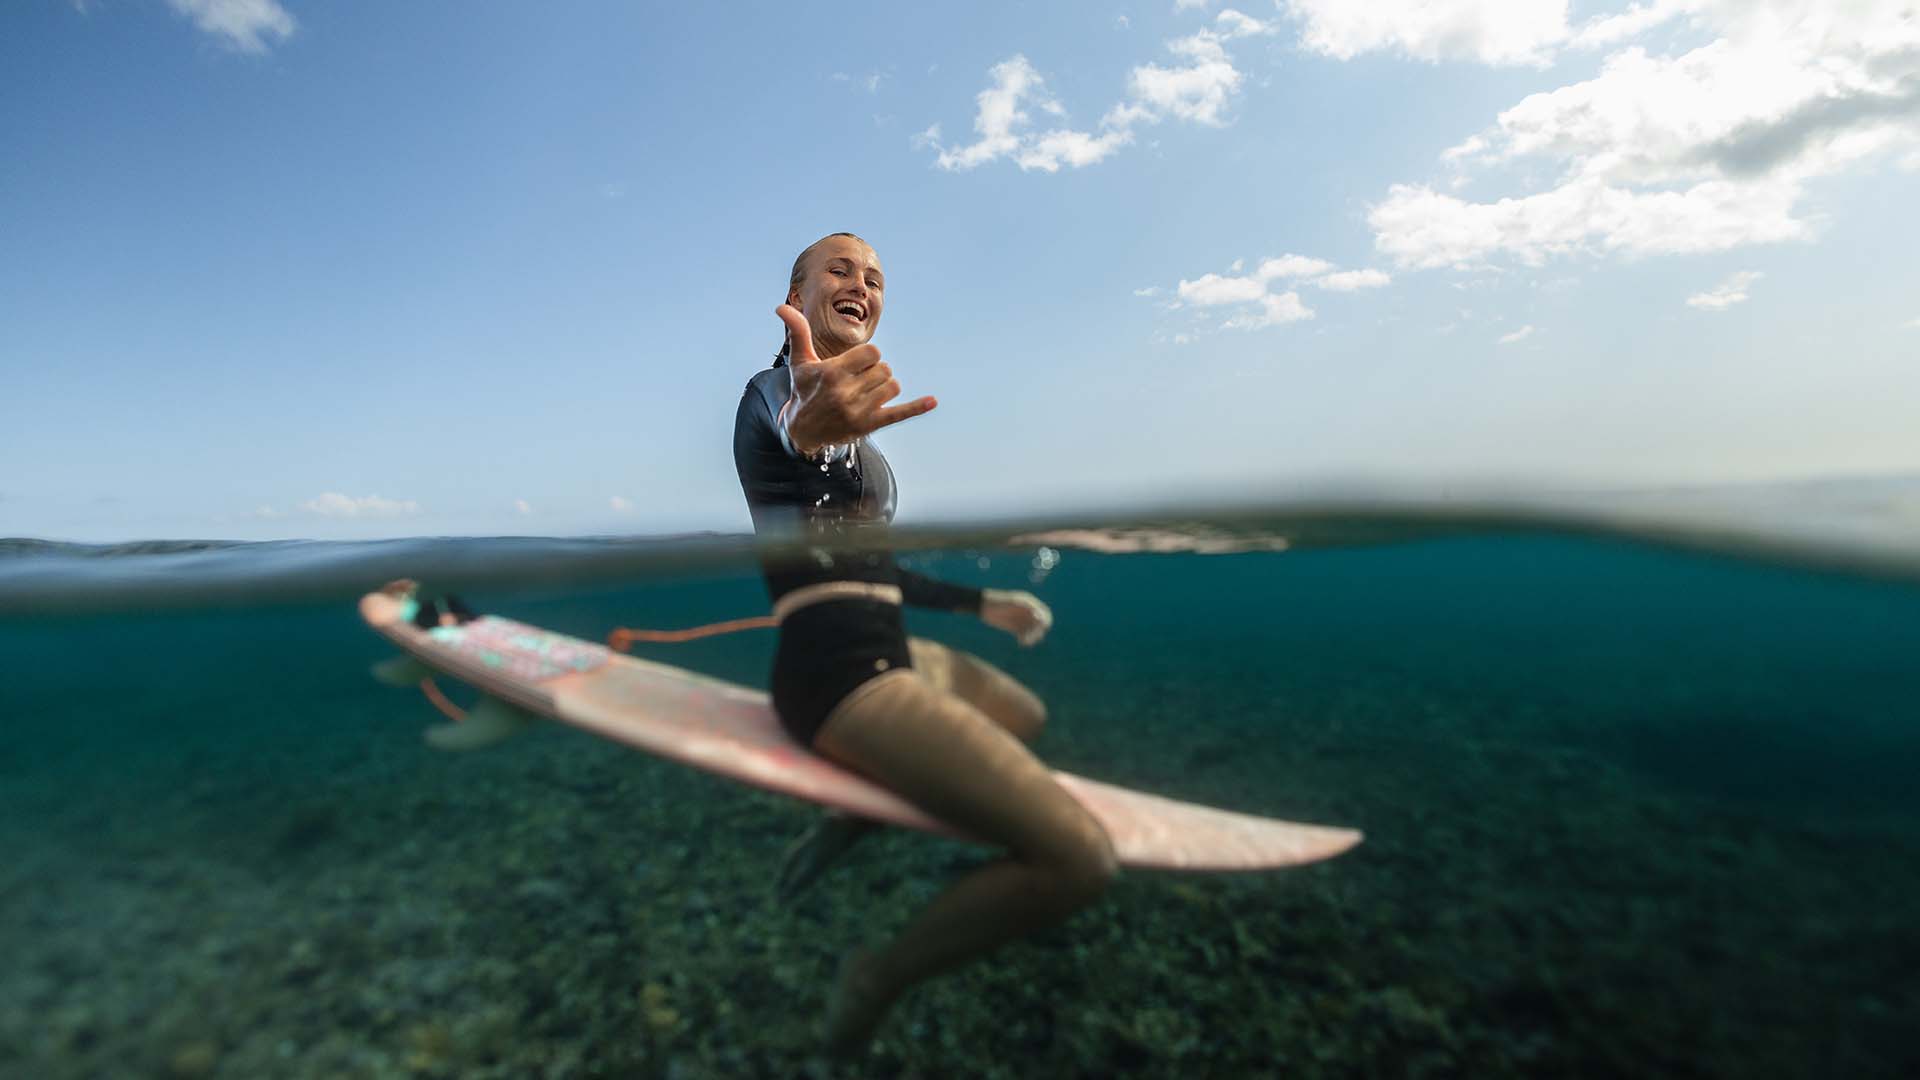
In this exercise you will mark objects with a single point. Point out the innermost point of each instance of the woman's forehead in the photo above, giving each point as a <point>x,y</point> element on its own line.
<point>845,247</point>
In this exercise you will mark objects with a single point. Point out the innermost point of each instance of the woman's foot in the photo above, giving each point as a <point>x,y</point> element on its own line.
<point>815,850</point>
<point>860,1002</point>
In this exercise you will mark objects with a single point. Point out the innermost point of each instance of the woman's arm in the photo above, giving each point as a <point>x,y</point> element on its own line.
<point>1018,612</point>
<point>922,591</point>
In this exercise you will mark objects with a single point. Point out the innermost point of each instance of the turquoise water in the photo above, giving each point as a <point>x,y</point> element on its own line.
<point>1631,809</point>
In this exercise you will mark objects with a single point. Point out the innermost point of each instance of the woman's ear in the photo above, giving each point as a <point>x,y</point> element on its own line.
<point>793,298</point>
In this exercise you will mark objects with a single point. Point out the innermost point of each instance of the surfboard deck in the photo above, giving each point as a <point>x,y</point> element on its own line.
<point>731,730</point>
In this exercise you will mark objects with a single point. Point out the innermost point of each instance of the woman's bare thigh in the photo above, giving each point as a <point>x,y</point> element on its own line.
<point>946,757</point>
<point>998,695</point>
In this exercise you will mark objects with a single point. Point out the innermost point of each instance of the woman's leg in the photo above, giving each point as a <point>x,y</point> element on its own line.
<point>996,694</point>
<point>949,759</point>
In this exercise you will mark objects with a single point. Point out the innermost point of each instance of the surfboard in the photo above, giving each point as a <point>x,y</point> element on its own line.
<point>731,730</point>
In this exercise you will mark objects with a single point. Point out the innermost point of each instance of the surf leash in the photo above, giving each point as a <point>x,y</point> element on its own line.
<point>452,712</point>
<point>621,639</point>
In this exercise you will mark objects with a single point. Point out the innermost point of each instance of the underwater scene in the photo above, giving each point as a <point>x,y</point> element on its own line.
<point>1631,806</point>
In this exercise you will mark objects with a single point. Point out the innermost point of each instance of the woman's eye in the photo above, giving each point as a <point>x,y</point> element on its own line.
<point>837,272</point>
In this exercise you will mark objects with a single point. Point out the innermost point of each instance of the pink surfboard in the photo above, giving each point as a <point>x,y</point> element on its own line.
<point>731,730</point>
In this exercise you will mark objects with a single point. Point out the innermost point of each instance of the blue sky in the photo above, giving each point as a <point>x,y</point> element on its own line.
<point>277,268</point>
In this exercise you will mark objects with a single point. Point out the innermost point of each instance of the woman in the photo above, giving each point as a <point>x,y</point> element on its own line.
<point>940,728</point>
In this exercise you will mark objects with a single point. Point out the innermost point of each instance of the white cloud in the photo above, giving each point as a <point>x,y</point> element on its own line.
<point>620,504</point>
<point>1188,5</point>
<point>1123,22</point>
<point>1198,90</point>
<point>1003,123</point>
<point>1350,280</point>
<point>522,507</point>
<point>1519,335</point>
<point>1421,228</point>
<point>1726,294</point>
<point>335,505</point>
<point>998,114</point>
<point>1274,309</point>
<point>244,25</point>
<point>1612,29</point>
<point>1252,294</point>
<point>1292,266</point>
<point>1212,290</point>
<point>1076,148</point>
<point>1913,324</point>
<point>1151,290</point>
<point>1488,31</point>
<point>1706,150</point>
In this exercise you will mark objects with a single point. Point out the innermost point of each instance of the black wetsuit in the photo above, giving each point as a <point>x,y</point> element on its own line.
<point>826,522</point>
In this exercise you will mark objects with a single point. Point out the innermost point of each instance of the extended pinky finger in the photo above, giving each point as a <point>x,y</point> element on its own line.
<point>893,414</point>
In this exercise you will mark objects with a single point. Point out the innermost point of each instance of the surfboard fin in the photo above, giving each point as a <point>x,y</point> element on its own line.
<point>487,723</point>
<point>401,671</point>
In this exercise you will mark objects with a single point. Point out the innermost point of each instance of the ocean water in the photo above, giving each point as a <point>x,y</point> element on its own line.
<point>1638,800</point>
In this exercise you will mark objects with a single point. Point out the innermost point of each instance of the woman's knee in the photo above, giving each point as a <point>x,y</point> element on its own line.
<point>1024,713</point>
<point>1085,869</point>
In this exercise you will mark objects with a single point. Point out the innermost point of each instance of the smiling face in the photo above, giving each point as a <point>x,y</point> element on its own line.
<point>840,291</point>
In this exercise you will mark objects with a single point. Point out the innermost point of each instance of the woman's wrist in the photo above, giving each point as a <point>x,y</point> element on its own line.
<point>797,439</point>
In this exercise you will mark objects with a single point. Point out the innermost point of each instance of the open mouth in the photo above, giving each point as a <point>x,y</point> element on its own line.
<point>852,309</point>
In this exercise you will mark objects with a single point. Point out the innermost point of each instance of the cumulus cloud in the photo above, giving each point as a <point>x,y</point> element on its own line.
<point>620,504</point>
<point>1350,280</point>
<point>1003,122</point>
<point>333,504</point>
<point>522,507</point>
<point>1273,310</point>
<point>1496,32</point>
<point>1258,299</point>
<point>1488,31</point>
<point>245,25</point>
<point>1517,336</point>
<point>1726,294</point>
<point>1419,227</point>
<point>1198,88</point>
<point>1211,290</point>
<point>1292,266</point>
<point>1612,29</point>
<point>1705,150</point>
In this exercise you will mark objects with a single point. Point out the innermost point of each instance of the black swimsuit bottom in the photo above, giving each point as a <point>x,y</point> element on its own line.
<point>827,650</point>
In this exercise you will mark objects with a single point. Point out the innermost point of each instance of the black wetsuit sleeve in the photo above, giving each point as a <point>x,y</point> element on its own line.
<point>922,591</point>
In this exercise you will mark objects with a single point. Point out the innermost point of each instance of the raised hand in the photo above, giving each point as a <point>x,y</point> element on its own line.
<point>837,400</point>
